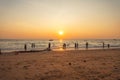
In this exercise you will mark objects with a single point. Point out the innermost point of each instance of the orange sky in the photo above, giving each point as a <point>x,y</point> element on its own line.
<point>43,19</point>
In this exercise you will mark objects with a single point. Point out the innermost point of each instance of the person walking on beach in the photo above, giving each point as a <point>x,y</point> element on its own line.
<point>25,47</point>
<point>86,45</point>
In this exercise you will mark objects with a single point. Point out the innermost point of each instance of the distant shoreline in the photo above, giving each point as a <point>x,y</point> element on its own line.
<point>40,51</point>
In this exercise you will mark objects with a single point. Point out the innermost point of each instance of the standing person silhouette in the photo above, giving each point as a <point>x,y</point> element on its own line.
<point>76,45</point>
<point>33,45</point>
<point>49,46</point>
<point>86,45</point>
<point>108,45</point>
<point>103,45</point>
<point>25,47</point>
<point>64,46</point>
<point>0,52</point>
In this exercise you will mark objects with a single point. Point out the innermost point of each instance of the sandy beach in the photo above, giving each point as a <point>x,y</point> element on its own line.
<point>61,65</point>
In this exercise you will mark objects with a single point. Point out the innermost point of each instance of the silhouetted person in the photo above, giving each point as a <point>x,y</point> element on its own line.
<point>49,46</point>
<point>64,46</point>
<point>76,45</point>
<point>33,45</point>
<point>103,45</point>
<point>108,45</point>
<point>25,47</point>
<point>0,52</point>
<point>86,45</point>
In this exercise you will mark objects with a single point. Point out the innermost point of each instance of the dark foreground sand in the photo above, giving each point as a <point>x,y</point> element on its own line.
<point>61,65</point>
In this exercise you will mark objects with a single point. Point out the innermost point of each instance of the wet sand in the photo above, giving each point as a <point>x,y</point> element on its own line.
<point>61,65</point>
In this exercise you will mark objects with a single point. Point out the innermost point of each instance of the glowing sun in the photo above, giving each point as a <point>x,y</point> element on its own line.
<point>60,32</point>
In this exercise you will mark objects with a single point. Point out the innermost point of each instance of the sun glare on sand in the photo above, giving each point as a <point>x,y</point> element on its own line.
<point>60,32</point>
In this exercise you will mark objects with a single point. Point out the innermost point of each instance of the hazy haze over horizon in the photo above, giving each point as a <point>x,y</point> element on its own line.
<point>42,19</point>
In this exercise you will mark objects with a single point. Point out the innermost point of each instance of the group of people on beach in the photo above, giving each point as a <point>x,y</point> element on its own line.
<point>76,46</point>
<point>32,46</point>
<point>64,46</point>
<point>108,45</point>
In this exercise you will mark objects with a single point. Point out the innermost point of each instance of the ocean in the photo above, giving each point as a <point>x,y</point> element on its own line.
<point>9,45</point>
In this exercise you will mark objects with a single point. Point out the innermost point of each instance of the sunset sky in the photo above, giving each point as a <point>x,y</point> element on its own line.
<point>44,19</point>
